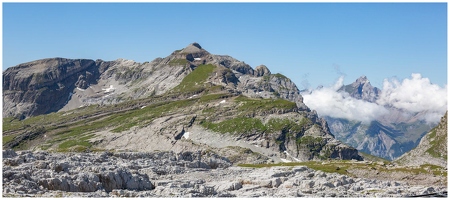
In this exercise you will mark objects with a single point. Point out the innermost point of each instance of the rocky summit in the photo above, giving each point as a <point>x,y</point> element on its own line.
<point>192,124</point>
<point>362,89</point>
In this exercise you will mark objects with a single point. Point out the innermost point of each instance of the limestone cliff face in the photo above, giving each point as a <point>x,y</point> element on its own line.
<point>44,86</point>
<point>432,148</point>
<point>41,73</point>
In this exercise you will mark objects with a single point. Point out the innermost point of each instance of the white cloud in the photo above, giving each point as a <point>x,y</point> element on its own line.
<point>413,95</point>
<point>328,102</point>
<point>416,94</point>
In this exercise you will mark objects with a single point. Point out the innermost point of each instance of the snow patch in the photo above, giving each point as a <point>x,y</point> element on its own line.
<point>192,96</point>
<point>68,98</point>
<point>284,160</point>
<point>291,156</point>
<point>80,89</point>
<point>223,101</point>
<point>186,135</point>
<point>143,107</point>
<point>197,59</point>
<point>110,89</point>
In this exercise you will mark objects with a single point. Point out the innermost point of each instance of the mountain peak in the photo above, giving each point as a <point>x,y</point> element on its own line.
<point>362,80</point>
<point>195,44</point>
<point>192,48</point>
<point>362,89</point>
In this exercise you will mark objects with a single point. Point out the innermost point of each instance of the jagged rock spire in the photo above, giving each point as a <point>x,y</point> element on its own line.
<point>362,89</point>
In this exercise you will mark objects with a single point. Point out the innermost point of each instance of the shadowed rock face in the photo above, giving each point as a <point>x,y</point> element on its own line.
<point>262,70</point>
<point>43,86</point>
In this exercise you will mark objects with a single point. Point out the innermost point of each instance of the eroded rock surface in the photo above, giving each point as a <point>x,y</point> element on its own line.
<point>186,174</point>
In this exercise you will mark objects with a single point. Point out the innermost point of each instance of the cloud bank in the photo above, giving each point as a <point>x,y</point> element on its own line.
<point>328,102</point>
<point>413,95</point>
<point>416,94</point>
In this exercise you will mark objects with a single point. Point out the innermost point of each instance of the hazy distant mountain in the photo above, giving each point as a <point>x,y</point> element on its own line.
<point>362,89</point>
<point>389,136</point>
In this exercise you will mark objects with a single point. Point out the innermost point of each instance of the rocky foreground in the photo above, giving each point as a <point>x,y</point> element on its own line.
<point>187,174</point>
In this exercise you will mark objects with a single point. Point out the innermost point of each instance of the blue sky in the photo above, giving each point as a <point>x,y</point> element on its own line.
<point>311,43</point>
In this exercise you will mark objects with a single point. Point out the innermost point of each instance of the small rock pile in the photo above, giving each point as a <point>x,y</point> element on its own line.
<point>169,174</point>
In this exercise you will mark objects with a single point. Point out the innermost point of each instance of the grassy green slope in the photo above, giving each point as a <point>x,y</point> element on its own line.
<point>72,130</point>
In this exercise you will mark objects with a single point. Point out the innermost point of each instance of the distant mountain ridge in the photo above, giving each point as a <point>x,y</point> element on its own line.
<point>389,136</point>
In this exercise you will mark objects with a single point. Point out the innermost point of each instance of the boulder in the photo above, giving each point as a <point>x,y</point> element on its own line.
<point>228,186</point>
<point>9,153</point>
